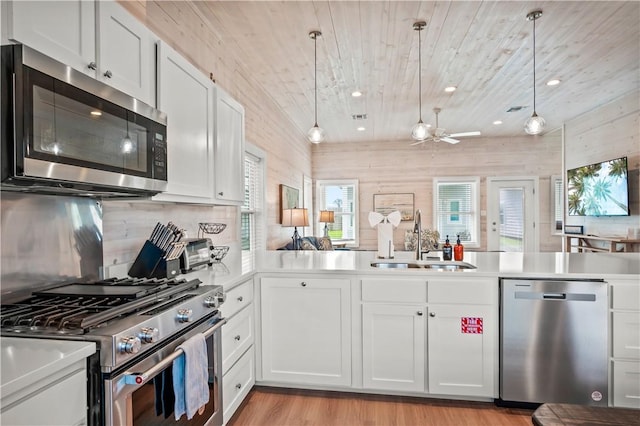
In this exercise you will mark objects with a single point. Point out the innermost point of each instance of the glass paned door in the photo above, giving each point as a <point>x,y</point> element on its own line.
<point>511,215</point>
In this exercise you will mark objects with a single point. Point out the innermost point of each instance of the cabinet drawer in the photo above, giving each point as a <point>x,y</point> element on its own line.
<point>390,290</point>
<point>626,384</point>
<point>626,335</point>
<point>625,296</point>
<point>237,298</point>
<point>237,336</point>
<point>471,291</point>
<point>237,383</point>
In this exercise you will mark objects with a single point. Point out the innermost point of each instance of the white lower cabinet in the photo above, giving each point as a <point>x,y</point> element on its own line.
<point>394,334</point>
<point>393,347</point>
<point>625,355</point>
<point>463,337</point>
<point>238,353</point>
<point>461,359</point>
<point>236,384</point>
<point>306,330</point>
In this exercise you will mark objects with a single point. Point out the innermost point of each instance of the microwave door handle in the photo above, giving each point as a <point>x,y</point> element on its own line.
<point>141,378</point>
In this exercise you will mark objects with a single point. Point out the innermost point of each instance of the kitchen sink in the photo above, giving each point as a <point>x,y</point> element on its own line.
<point>434,266</point>
<point>394,265</point>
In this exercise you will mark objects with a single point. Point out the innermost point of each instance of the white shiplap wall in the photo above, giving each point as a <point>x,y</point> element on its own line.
<point>606,133</point>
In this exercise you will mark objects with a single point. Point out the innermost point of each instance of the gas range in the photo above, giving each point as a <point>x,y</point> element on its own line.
<point>127,318</point>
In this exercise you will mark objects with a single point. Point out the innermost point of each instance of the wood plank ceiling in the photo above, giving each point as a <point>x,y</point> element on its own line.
<point>482,48</point>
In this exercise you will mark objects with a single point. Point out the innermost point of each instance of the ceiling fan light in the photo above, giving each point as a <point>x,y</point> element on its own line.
<point>534,125</point>
<point>420,131</point>
<point>316,134</point>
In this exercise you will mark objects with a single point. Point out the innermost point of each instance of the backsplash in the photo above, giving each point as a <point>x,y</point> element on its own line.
<point>127,225</point>
<point>48,239</point>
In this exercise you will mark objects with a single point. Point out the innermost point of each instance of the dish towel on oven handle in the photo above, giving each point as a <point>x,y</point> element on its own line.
<point>190,377</point>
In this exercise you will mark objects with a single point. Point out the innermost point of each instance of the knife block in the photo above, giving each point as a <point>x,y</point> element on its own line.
<point>151,263</point>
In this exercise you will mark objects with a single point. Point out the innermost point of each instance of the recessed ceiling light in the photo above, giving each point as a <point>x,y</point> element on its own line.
<point>356,93</point>
<point>96,113</point>
<point>553,82</point>
<point>361,129</point>
<point>450,89</point>
<point>497,122</point>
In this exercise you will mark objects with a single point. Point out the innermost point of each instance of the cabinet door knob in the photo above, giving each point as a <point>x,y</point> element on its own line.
<point>108,74</point>
<point>419,313</point>
<point>303,284</point>
<point>92,66</point>
<point>432,314</point>
<point>237,337</point>
<point>240,299</point>
<point>221,193</point>
<point>238,386</point>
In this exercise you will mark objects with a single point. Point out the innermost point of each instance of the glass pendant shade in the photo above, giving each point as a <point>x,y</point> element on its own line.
<point>420,131</point>
<point>534,125</point>
<point>315,134</point>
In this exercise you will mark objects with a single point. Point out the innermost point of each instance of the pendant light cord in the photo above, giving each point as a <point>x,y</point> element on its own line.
<point>420,72</point>
<point>315,75</point>
<point>534,65</point>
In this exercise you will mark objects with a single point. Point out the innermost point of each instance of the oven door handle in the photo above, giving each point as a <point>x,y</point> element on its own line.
<point>141,378</point>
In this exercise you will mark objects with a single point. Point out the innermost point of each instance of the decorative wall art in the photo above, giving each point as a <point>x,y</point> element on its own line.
<point>288,198</point>
<point>387,203</point>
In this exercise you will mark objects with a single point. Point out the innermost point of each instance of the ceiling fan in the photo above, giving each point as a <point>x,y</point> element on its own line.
<point>439,134</point>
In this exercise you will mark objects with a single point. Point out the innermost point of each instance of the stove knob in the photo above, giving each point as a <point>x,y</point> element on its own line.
<point>184,315</point>
<point>129,345</point>
<point>221,297</point>
<point>211,302</point>
<point>149,334</point>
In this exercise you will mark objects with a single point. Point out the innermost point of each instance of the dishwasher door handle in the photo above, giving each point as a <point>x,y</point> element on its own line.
<point>561,296</point>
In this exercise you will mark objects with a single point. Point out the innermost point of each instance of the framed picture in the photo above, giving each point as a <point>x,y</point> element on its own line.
<point>387,203</point>
<point>288,198</point>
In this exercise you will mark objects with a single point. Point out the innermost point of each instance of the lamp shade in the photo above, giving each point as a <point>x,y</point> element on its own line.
<point>295,217</point>
<point>326,216</point>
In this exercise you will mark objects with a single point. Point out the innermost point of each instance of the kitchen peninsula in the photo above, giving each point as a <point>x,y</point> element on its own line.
<point>320,319</point>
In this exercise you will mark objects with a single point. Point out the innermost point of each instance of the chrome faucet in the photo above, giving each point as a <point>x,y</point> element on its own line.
<point>417,229</point>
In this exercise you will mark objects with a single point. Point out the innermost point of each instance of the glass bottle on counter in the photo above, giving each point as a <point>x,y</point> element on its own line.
<point>458,250</point>
<point>446,250</point>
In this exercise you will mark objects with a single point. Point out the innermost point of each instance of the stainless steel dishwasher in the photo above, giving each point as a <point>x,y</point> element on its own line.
<point>553,341</point>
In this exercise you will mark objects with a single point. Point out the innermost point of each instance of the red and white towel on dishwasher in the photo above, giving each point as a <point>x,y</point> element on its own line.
<point>190,377</point>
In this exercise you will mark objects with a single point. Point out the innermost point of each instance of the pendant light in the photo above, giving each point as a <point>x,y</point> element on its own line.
<point>420,131</point>
<point>316,133</point>
<point>535,124</point>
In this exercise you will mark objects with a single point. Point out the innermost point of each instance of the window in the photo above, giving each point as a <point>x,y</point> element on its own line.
<point>341,197</point>
<point>457,210</point>
<point>252,211</point>
<point>557,192</point>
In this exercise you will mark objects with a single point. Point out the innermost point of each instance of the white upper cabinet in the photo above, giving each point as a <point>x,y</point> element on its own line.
<point>187,96</point>
<point>229,150</point>
<point>126,52</point>
<point>100,39</point>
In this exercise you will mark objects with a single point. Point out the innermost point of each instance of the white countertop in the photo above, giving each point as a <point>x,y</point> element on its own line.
<point>27,361</point>
<point>560,265</point>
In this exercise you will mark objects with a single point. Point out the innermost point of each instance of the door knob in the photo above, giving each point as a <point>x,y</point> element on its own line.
<point>432,314</point>
<point>108,74</point>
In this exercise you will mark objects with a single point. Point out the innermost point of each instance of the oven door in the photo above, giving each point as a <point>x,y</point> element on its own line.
<point>137,396</point>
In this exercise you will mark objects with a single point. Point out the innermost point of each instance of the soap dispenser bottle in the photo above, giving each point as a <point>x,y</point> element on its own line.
<point>446,250</point>
<point>458,250</point>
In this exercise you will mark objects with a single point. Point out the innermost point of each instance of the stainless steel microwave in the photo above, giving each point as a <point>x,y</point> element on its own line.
<point>65,132</point>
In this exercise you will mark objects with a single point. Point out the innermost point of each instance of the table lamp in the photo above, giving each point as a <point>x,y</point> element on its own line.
<point>326,216</point>
<point>295,217</point>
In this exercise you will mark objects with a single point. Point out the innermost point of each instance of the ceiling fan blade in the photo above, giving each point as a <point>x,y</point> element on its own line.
<point>463,134</point>
<point>418,142</point>
<point>449,140</point>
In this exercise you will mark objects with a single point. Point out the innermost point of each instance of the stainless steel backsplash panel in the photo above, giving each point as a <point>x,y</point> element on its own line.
<point>48,239</point>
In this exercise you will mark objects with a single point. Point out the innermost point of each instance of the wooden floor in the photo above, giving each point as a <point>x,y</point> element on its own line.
<point>289,407</point>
